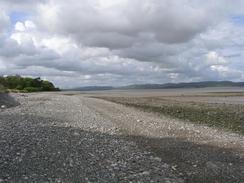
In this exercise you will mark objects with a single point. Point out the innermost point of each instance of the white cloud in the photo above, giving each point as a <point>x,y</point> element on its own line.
<point>214,59</point>
<point>20,27</point>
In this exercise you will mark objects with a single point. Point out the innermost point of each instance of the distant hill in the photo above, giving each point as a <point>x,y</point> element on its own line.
<point>203,84</point>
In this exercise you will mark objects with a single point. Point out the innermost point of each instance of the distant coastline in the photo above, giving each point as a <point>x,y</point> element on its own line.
<point>203,84</point>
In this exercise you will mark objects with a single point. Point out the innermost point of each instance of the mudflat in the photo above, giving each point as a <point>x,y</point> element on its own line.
<point>214,107</point>
<point>95,137</point>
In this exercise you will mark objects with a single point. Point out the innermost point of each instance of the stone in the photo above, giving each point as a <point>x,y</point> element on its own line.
<point>212,166</point>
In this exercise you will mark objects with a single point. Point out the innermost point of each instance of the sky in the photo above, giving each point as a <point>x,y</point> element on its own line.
<point>121,42</point>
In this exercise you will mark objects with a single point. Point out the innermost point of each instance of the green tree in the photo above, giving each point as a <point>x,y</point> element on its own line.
<point>47,86</point>
<point>26,84</point>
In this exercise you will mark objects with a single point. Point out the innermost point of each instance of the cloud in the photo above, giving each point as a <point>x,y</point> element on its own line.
<point>121,23</point>
<point>213,59</point>
<point>119,42</point>
<point>60,54</point>
<point>4,22</point>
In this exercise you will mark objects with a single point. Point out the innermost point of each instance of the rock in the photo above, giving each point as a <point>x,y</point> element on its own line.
<point>157,159</point>
<point>174,167</point>
<point>145,173</point>
<point>6,100</point>
<point>212,166</point>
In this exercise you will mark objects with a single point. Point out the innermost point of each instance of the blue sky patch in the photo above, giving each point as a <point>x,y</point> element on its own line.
<point>18,16</point>
<point>238,20</point>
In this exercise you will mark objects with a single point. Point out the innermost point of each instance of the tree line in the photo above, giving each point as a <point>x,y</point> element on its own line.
<point>26,84</point>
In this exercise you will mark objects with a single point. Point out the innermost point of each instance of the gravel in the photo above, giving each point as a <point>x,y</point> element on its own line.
<point>53,137</point>
<point>6,100</point>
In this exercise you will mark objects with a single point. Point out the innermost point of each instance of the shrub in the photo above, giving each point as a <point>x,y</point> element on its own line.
<point>2,89</point>
<point>21,84</point>
<point>32,89</point>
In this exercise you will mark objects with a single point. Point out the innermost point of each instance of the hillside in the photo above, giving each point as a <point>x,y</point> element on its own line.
<point>203,84</point>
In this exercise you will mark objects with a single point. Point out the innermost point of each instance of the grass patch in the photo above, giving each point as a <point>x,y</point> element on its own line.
<point>225,94</point>
<point>69,94</point>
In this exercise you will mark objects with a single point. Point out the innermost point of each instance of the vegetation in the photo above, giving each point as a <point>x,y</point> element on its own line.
<point>2,89</point>
<point>25,84</point>
<point>228,116</point>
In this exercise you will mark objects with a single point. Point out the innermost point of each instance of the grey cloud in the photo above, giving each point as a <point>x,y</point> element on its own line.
<point>4,22</point>
<point>108,40</point>
<point>169,21</point>
<point>10,48</point>
<point>28,6</point>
